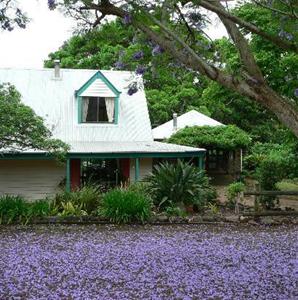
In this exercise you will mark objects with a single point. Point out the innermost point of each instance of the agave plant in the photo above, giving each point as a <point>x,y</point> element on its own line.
<point>178,183</point>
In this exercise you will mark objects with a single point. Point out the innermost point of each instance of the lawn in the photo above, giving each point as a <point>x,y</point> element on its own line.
<point>158,262</point>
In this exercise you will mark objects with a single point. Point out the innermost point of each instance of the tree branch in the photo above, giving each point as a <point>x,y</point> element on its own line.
<point>211,5</point>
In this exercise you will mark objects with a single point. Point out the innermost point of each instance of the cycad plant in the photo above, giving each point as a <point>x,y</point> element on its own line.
<point>172,184</point>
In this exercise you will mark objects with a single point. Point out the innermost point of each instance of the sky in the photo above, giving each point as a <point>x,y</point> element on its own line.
<point>28,48</point>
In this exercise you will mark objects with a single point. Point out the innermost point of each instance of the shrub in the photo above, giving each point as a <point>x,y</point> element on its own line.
<point>171,184</point>
<point>39,208</point>
<point>86,199</point>
<point>14,209</point>
<point>70,209</point>
<point>232,192</point>
<point>140,187</point>
<point>228,137</point>
<point>272,163</point>
<point>174,211</point>
<point>125,206</point>
<point>287,185</point>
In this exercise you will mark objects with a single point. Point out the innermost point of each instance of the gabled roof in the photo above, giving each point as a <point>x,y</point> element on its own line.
<point>54,100</point>
<point>191,118</point>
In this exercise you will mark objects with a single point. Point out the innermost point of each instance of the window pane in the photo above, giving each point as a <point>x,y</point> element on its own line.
<point>98,109</point>
<point>92,110</point>
<point>102,111</point>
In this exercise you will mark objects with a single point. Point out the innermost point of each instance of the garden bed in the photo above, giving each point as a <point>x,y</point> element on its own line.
<point>148,262</point>
<point>162,219</point>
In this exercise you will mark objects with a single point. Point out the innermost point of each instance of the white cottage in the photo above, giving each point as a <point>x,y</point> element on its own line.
<point>92,112</point>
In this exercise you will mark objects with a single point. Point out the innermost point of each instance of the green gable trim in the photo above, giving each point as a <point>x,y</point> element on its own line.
<point>116,110</point>
<point>79,109</point>
<point>81,90</point>
<point>97,75</point>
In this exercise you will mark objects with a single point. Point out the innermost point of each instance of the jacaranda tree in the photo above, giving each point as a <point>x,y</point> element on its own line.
<point>159,20</point>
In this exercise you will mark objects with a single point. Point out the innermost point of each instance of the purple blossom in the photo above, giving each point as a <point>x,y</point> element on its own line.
<point>138,55</point>
<point>157,50</point>
<point>127,19</point>
<point>52,4</point>
<point>132,88</point>
<point>140,70</point>
<point>119,65</point>
<point>286,35</point>
<point>296,92</point>
<point>159,262</point>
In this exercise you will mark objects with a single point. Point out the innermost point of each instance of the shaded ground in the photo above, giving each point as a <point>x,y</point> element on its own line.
<point>158,262</point>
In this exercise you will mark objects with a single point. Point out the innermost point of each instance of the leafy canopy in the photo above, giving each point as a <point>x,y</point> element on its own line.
<point>221,137</point>
<point>21,128</point>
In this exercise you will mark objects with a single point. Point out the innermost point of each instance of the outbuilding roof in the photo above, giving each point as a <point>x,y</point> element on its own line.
<point>191,118</point>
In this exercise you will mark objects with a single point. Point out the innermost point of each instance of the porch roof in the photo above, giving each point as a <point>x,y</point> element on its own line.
<point>130,147</point>
<point>113,150</point>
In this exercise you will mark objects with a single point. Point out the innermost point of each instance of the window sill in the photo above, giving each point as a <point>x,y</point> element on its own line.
<point>90,125</point>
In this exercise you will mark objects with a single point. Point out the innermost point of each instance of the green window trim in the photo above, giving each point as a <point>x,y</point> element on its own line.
<point>80,91</point>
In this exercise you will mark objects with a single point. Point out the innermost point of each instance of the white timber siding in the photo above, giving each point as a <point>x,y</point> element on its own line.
<point>145,168</point>
<point>32,179</point>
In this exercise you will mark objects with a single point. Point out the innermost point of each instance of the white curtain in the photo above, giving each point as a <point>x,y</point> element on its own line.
<point>110,104</point>
<point>85,108</point>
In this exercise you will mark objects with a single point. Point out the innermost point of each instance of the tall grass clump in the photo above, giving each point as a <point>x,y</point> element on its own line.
<point>15,209</point>
<point>12,209</point>
<point>125,206</point>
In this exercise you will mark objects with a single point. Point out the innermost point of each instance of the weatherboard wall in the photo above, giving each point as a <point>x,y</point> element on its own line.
<point>32,179</point>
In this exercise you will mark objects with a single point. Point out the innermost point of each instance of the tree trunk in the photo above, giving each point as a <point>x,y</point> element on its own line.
<point>285,111</point>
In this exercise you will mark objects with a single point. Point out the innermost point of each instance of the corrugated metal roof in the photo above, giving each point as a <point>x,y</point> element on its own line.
<point>129,147</point>
<point>54,100</point>
<point>191,118</point>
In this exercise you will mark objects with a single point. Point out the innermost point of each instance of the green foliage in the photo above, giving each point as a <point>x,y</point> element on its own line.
<point>70,209</point>
<point>287,185</point>
<point>234,189</point>
<point>124,206</point>
<point>40,208</point>
<point>171,184</point>
<point>174,211</point>
<point>169,88</point>
<point>81,200</point>
<point>140,187</point>
<point>272,163</point>
<point>221,137</point>
<point>14,209</point>
<point>21,128</point>
<point>213,207</point>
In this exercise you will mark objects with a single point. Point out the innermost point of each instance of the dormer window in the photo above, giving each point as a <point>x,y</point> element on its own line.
<point>98,101</point>
<point>98,109</point>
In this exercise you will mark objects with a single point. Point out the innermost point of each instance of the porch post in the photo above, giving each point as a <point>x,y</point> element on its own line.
<point>200,158</point>
<point>67,184</point>
<point>137,169</point>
